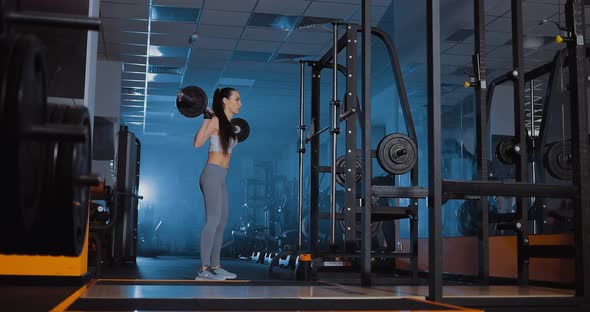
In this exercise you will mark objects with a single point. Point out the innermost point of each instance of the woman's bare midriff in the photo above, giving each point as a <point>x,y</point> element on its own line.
<point>218,158</point>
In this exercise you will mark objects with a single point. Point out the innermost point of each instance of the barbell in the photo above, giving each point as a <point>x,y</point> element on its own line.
<point>191,102</point>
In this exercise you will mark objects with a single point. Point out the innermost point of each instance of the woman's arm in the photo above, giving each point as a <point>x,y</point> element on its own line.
<point>208,127</point>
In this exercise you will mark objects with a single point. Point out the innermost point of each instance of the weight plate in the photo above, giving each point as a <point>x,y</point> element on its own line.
<point>558,160</point>
<point>341,177</point>
<point>71,199</point>
<point>191,101</point>
<point>24,105</point>
<point>505,151</point>
<point>241,128</point>
<point>397,153</point>
<point>375,226</point>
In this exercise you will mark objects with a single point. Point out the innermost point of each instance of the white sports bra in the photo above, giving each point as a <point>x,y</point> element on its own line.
<point>215,145</point>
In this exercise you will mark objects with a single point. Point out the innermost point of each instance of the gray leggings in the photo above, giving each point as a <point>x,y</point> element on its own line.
<point>214,190</point>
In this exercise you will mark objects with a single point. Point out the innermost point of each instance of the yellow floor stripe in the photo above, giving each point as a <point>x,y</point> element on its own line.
<point>73,297</point>
<point>169,281</point>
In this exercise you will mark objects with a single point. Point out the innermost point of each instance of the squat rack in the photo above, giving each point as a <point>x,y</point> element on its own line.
<point>440,190</point>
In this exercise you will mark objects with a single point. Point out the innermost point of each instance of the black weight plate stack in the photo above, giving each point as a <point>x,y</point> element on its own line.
<point>397,153</point>
<point>24,103</point>
<point>191,101</point>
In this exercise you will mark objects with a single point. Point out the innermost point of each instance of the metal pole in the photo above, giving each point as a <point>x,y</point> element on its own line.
<point>314,207</point>
<point>366,278</point>
<point>334,132</point>
<point>532,136</point>
<point>434,152</point>
<point>580,149</point>
<point>300,152</point>
<point>521,170</point>
<point>479,63</point>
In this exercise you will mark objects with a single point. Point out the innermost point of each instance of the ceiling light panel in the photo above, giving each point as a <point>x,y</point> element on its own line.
<point>179,28</point>
<point>179,3</point>
<point>174,14</point>
<point>169,78</point>
<point>167,51</point>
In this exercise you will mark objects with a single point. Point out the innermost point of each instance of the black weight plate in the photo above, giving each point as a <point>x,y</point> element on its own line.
<point>71,198</point>
<point>397,153</point>
<point>557,160</point>
<point>191,101</point>
<point>241,128</point>
<point>505,151</point>
<point>6,47</point>
<point>375,225</point>
<point>24,106</point>
<point>341,177</point>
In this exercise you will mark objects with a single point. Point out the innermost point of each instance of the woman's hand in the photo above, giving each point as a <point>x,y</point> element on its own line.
<point>208,113</point>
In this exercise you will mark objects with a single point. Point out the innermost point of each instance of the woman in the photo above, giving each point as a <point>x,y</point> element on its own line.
<point>218,129</point>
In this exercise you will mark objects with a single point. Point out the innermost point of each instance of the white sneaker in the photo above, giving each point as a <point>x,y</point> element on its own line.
<point>228,275</point>
<point>209,274</point>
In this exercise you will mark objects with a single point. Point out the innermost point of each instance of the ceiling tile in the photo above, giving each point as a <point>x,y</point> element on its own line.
<point>286,7</point>
<point>113,48</point>
<point>257,33</point>
<point>217,31</point>
<point>167,61</point>
<point>124,37</point>
<point>259,46</point>
<point>123,10</point>
<point>173,28</point>
<point>215,43</point>
<point>334,10</point>
<point>298,48</point>
<point>224,18</point>
<point>231,5</point>
<point>124,24</point>
<point>169,40</point>
<point>317,37</point>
